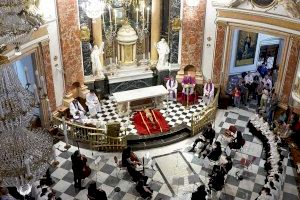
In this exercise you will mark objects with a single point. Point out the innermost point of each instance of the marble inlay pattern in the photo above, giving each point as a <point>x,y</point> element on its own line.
<point>174,35</point>
<point>219,51</point>
<point>291,69</point>
<point>48,75</point>
<point>193,25</point>
<point>70,41</point>
<point>130,85</point>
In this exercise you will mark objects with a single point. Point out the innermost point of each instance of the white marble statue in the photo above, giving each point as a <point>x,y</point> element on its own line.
<point>93,103</point>
<point>76,110</point>
<point>97,67</point>
<point>172,85</point>
<point>163,52</point>
<point>208,92</point>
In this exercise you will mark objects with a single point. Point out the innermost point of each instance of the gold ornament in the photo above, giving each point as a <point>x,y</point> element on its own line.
<point>85,33</point>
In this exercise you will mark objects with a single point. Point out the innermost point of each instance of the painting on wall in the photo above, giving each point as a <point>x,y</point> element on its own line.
<point>246,48</point>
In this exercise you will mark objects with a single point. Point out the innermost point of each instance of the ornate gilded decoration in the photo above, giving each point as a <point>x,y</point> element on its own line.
<point>264,3</point>
<point>3,60</point>
<point>85,33</point>
<point>176,24</point>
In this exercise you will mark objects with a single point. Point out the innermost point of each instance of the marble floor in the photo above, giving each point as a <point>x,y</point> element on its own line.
<point>174,172</point>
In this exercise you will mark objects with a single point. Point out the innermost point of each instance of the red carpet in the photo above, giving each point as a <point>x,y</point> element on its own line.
<point>193,99</point>
<point>161,126</point>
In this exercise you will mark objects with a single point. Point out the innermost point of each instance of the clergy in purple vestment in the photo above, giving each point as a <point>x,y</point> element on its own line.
<point>208,92</point>
<point>188,84</point>
<point>172,88</point>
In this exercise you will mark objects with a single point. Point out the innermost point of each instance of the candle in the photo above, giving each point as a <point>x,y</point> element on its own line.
<point>115,13</point>
<point>143,16</point>
<point>38,84</point>
<point>109,12</point>
<point>116,60</point>
<point>22,105</point>
<point>149,55</point>
<point>65,131</point>
<point>137,15</point>
<point>128,106</point>
<point>26,162</point>
<point>144,56</point>
<point>148,13</point>
<point>36,94</point>
<point>110,60</point>
<point>26,74</point>
<point>1,112</point>
<point>54,153</point>
<point>43,85</point>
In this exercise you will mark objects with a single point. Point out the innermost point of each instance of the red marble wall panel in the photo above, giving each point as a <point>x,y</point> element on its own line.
<point>219,52</point>
<point>291,65</point>
<point>193,25</point>
<point>48,75</point>
<point>70,42</point>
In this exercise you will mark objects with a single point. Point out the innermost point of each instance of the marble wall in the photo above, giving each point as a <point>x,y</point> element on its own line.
<point>193,25</point>
<point>292,64</point>
<point>70,42</point>
<point>219,52</point>
<point>174,35</point>
<point>48,75</point>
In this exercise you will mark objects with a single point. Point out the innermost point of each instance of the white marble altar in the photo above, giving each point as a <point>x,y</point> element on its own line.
<point>123,99</point>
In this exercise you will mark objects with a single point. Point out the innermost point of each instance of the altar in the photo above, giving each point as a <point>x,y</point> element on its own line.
<point>140,98</point>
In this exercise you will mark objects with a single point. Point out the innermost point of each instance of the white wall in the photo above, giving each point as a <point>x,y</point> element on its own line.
<point>210,30</point>
<point>262,39</point>
<point>48,8</point>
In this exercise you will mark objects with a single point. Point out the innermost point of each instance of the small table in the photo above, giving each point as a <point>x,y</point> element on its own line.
<point>132,99</point>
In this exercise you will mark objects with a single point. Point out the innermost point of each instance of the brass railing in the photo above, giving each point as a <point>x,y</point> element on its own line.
<point>201,119</point>
<point>96,138</point>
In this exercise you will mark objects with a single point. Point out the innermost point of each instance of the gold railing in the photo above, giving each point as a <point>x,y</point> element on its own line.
<point>201,119</point>
<point>96,138</point>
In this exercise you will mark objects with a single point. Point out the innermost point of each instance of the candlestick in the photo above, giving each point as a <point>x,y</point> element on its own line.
<point>38,84</point>
<point>43,85</point>
<point>148,13</point>
<point>149,55</point>
<point>143,17</point>
<point>128,106</point>
<point>115,13</point>
<point>26,74</point>
<point>116,60</point>
<point>137,15</point>
<point>144,56</point>
<point>36,94</point>
<point>26,162</point>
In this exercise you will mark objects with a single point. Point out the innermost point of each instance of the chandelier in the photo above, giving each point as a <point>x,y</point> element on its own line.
<point>19,18</point>
<point>25,152</point>
<point>94,8</point>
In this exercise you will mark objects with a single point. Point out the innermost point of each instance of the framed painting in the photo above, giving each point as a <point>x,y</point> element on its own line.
<point>246,48</point>
<point>264,3</point>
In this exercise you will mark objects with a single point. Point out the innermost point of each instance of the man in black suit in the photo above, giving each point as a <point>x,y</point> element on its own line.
<point>206,138</point>
<point>77,167</point>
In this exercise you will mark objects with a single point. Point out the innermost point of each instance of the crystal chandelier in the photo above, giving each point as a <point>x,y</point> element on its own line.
<point>94,8</point>
<point>25,152</point>
<point>19,18</point>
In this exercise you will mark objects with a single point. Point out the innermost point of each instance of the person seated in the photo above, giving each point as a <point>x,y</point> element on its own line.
<point>208,92</point>
<point>4,194</point>
<point>76,110</point>
<point>217,179</point>
<point>172,85</point>
<point>206,138</point>
<point>136,175</point>
<point>129,158</point>
<point>265,194</point>
<point>238,142</point>
<point>188,86</point>
<point>215,152</point>
<point>200,194</point>
<point>96,194</point>
<point>93,103</point>
<point>143,189</point>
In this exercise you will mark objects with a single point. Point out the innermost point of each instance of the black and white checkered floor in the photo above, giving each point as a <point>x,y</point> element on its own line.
<point>176,171</point>
<point>173,112</point>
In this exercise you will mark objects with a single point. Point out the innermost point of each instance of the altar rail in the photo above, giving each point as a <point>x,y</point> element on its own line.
<point>208,115</point>
<point>96,138</point>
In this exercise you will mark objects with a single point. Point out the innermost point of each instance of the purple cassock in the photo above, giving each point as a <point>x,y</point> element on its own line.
<point>188,85</point>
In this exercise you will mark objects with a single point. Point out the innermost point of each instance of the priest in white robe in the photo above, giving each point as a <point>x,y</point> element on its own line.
<point>76,110</point>
<point>93,103</point>
<point>208,92</point>
<point>172,85</point>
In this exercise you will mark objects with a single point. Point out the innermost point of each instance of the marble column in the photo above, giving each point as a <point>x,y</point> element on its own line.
<point>69,32</point>
<point>193,25</point>
<point>97,34</point>
<point>219,52</point>
<point>155,27</point>
<point>292,63</point>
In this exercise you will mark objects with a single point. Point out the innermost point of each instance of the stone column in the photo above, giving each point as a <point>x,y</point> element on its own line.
<point>219,52</point>
<point>97,34</point>
<point>155,27</point>
<point>69,32</point>
<point>292,63</point>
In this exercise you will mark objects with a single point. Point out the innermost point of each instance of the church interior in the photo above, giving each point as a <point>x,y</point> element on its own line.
<point>149,99</point>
